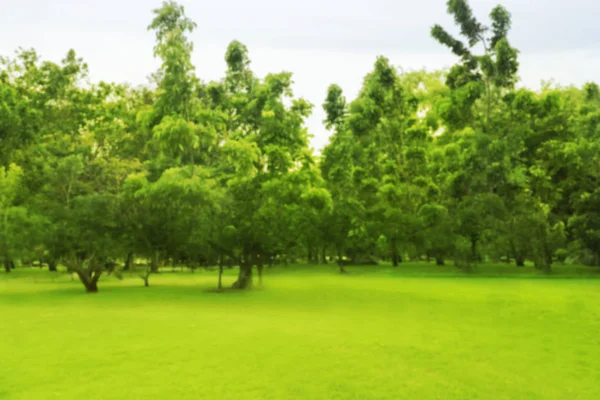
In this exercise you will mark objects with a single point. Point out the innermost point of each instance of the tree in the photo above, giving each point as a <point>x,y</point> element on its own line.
<point>264,147</point>
<point>452,165</point>
<point>163,217</point>
<point>16,225</point>
<point>176,83</point>
<point>494,70</point>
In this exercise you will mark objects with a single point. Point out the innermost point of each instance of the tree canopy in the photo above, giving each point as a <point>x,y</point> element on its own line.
<point>457,165</point>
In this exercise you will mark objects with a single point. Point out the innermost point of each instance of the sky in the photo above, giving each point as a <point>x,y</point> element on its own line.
<point>320,41</point>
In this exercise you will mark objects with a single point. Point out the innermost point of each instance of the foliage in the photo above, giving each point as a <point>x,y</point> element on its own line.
<point>454,165</point>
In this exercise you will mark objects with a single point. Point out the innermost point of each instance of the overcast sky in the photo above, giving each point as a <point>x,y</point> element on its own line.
<point>320,41</point>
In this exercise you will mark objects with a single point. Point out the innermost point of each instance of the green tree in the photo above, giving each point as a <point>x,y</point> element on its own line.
<point>482,76</point>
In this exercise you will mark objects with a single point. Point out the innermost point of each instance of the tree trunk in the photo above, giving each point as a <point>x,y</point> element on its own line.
<point>146,276</point>
<point>547,268</point>
<point>394,251</point>
<point>52,265</point>
<point>541,263</point>
<point>439,261</point>
<point>221,265</point>
<point>244,280</point>
<point>341,263</point>
<point>395,259</point>
<point>92,287</point>
<point>154,264</point>
<point>259,268</point>
<point>519,261</point>
<point>324,254</point>
<point>474,255</point>
<point>514,253</point>
<point>549,261</point>
<point>90,282</point>
<point>7,266</point>
<point>128,262</point>
<point>220,285</point>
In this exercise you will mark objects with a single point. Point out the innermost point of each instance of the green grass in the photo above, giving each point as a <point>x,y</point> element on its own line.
<point>308,334</point>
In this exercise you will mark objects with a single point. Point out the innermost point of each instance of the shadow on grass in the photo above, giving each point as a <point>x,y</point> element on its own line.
<point>54,293</point>
<point>25,287</point>
<point>480,271</point>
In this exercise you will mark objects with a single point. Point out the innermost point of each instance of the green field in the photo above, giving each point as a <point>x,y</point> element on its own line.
<point>307,334</point>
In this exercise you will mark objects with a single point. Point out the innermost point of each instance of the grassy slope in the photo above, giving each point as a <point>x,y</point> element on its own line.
<point>372,334</point>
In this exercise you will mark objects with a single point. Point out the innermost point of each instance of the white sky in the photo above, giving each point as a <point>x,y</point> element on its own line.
<point>320,41</point>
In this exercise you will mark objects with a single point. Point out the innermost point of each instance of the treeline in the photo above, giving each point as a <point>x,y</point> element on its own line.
<point>457,165</point>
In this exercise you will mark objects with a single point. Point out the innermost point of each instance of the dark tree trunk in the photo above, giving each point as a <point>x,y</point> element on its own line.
<point>514,253</point>
<point>310,255</point>
<point>542,264</point>
<point>146,276</point>
<point>519,261</point>
<point>7,266</point>
<point>340,262</point>
<point>220,284</point>
<point>394,251</point>
<point>154,264</point>
<point>259,268</point>
<point>474,255</point>
<point>128,262</point>
<point>52,266</point>
<point>89,280</point>
<point>547,267</point>
<point>324,254</point>
<point>92,287</point>
<point>244,280</point>
<point>439,261</point>
<point>395,260</point>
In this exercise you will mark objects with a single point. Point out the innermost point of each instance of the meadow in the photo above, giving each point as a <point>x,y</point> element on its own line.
<point>414,332</point>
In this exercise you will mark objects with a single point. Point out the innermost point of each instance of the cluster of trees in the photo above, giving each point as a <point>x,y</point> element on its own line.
<point>456,165</point>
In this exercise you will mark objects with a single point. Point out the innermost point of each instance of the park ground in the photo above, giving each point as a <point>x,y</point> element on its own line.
<point>415,332</point>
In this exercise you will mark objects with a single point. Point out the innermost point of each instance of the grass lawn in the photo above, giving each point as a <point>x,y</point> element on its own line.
<point>308,334</point>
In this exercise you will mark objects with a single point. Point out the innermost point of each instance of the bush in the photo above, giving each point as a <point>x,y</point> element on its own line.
<point>561,255</point>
